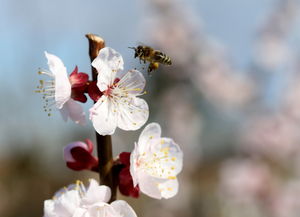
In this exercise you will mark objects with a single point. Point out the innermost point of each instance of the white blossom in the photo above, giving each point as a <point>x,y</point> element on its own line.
<point>119,105</point>
<point>155,162</point>
<point>57,91</point>
<point>77,201</point>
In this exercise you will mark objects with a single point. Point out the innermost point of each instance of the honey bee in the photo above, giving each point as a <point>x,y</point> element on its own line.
<point>154,57</point>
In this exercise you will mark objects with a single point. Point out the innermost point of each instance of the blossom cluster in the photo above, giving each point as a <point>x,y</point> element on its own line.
<point>153,165</point>
<point>115,92</point>
<point>77,200</point>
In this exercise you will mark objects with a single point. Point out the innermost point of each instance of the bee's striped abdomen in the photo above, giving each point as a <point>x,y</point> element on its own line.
<point>162,58</point>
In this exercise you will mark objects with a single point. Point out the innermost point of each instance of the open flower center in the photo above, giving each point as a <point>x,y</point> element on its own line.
<point>159,164</point>
<point>109,91</point>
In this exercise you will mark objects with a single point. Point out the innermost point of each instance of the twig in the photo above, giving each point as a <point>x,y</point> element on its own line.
<point>104,144</point>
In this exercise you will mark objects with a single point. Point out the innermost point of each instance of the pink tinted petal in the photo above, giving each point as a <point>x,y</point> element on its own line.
<point>75,112</point>
<point>64,113</point>
<point>79,79</point>
<point>75,71</point>
<point>90,145</point>
<point>67,150</point>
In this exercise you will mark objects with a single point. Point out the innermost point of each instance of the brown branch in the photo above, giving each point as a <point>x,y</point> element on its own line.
<point>104,144</point>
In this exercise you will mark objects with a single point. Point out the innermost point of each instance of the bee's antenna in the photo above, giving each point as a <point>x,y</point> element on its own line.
<point>132,48</point>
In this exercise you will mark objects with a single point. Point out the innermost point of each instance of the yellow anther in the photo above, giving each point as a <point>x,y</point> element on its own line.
<point>173,158</point>
<point>172,177</point>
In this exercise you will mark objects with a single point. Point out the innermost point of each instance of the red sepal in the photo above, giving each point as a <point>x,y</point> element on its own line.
<point>94,91</point>
<point>78,79</point>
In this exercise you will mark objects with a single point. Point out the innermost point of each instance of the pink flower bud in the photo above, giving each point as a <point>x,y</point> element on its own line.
<point>78,156</point>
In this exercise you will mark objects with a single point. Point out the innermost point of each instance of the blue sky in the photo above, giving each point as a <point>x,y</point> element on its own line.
<point>30,27</point>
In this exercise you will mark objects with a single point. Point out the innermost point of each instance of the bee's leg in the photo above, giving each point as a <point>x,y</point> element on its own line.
<point>149,70</point>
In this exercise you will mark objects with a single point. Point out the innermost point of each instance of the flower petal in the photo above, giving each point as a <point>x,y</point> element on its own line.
<point>96,193</point>
<point>133,82</point>
<point>78,79</point>
<point>102,210</point>
<point>110,57</point>
<point>104,116</point>
<point>133,165</point>
<point>62,83</point>
<point>133,114</point>
<point>151,132</point>
<point>169,157</point>
<point>149,184</point>
<point>108,63</point>
<point>66,203</point>
<point>49,208</point>
<point>74,111</point>
<point>123,208</point>
<point>67,150</point>
<point>169,188</point>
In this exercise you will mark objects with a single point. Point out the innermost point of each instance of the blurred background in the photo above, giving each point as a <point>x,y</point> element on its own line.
<point>230,99</point>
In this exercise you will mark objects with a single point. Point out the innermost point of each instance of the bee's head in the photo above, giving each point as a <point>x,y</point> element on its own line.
<point>136,51</point>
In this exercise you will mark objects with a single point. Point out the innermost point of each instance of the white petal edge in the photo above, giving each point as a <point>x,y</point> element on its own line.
<point>151,132</point>
<point>133,168</point>
<point>123,208</point>
<point>169,188</point>
<point>134,115</point>
<point>133,82</point>
<point>175,155</point>
<point>74,111</point>
<point>103,116</point>
<point>149,184</point>
<point>62,83</point>
<point>67,150</point>
<point>108,63</point>
<point>96,193</point>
